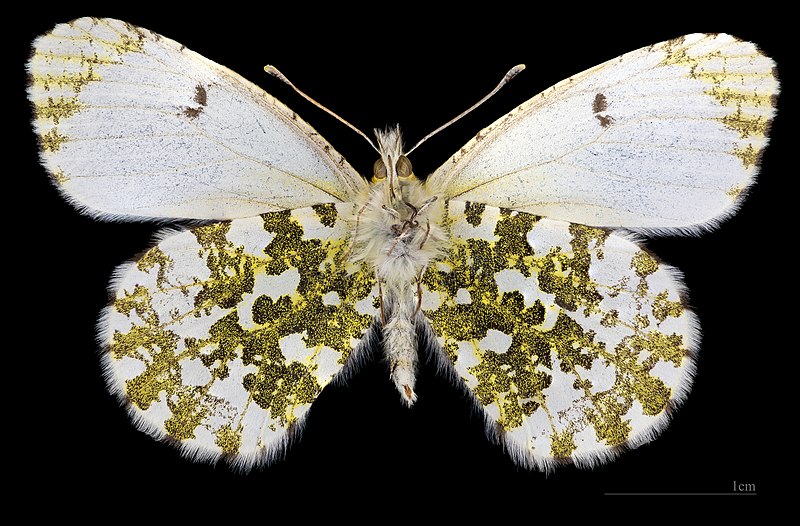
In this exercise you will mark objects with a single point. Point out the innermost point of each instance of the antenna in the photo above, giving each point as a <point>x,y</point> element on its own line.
<point>272,70</point>
<point>508,76</point>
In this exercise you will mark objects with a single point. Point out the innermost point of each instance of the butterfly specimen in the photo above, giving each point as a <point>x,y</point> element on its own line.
<point>517,263</point>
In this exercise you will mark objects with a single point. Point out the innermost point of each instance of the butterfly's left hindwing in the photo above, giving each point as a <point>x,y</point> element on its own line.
<point>574,340</point>
<point>221,337</point>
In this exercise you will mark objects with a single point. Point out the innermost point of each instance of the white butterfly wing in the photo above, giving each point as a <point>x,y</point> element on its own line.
<point>134,125</point>
<point>220,338</point>
<point>664,138</point>
<point>573,340</point>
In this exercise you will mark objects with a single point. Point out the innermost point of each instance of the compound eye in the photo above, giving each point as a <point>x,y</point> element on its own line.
<point>378,170</point>
<point>404,169</point>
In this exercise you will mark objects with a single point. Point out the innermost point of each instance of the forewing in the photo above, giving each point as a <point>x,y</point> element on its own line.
<point>666,138</point>
<point>574,340</point>
<point>134,125</point>
<point>221,337</point>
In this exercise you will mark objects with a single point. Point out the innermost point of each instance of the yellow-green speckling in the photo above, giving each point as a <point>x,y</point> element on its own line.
<point>187,412</point>
<point>151,343</point>
<point>664,308</point>
<point>610,318</point>
<point>57,108</point>
<point>644,264</point>
<point>52,140</point>
<point>60,177</point>
<point>82,59</point>
<point>566,274</point>
<point>562,444</point>
<point>137,300</point>
<point>130,42</point>
<point>277,385</point>
<point>747,125</point>
<point>230,267</point>
<point>658,346</point>
<point>733,97</point>
<point>75,81</point>
<point>154,257</point>
<point>515,381</point>
<point>327,213</point>
<point>745,105</point>
<point>734,192</point>
<point>474,213</point>
<point>505,378</point>
<point>162,371</point>
<point>641,321</point>
<point>749,157</point>
<point>228,440</point>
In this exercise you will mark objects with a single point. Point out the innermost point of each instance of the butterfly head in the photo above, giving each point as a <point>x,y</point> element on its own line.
<point>393,167</point>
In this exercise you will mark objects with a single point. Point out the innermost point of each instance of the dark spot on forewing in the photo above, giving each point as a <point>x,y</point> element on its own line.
<point>200,95</point>
<point>201,98</point>
<point>599,103</point>
<point>193,113</point>
<point>605,121</point>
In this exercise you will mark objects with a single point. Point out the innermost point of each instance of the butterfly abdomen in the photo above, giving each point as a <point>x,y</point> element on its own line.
<point>398,238</point>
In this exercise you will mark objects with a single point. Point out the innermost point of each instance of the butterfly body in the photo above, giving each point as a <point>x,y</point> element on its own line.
<point>399,231</point>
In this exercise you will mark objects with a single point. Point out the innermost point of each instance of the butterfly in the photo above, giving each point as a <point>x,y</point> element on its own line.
<point>518,263</point>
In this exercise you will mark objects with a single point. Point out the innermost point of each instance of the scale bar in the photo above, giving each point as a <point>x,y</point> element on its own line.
<point>742,493</point>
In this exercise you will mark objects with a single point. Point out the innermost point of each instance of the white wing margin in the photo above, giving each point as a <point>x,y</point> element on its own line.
<point>134,125</point>
<point>666,138</point>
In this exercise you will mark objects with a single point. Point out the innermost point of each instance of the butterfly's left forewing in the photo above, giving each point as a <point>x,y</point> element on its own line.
<point>574,340</point>
<point>220,338</point>
<point>663,139</point>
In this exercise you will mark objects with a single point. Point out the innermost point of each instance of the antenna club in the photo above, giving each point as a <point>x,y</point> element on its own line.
<point>272,70</point>
<point>507,77</point>
<point>513,72</point>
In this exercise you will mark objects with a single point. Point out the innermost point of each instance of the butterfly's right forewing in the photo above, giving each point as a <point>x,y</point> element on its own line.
<point>134,125</point>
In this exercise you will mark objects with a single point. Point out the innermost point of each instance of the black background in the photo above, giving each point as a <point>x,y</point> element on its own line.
<point>376,69</point>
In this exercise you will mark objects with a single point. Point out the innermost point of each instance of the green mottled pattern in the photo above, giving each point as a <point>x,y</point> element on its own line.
<point>201,336</point>
<point>593,320</point>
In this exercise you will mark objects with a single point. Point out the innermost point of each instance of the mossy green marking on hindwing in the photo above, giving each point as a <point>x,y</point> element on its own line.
<point>566,275</point>
<point>280,385</point>
<point>232,273</point>
<point>514,380</point>
<point>322,271</point>
<point>326,213</point>
<point>160,342</point>
<point>162,372</point>
<point>503,378</point>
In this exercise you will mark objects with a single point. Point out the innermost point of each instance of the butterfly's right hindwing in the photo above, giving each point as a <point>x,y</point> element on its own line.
<point>221,337</point>
<point>573,340</point>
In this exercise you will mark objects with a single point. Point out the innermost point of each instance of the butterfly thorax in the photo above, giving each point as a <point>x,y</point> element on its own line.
<point>398,234</point>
